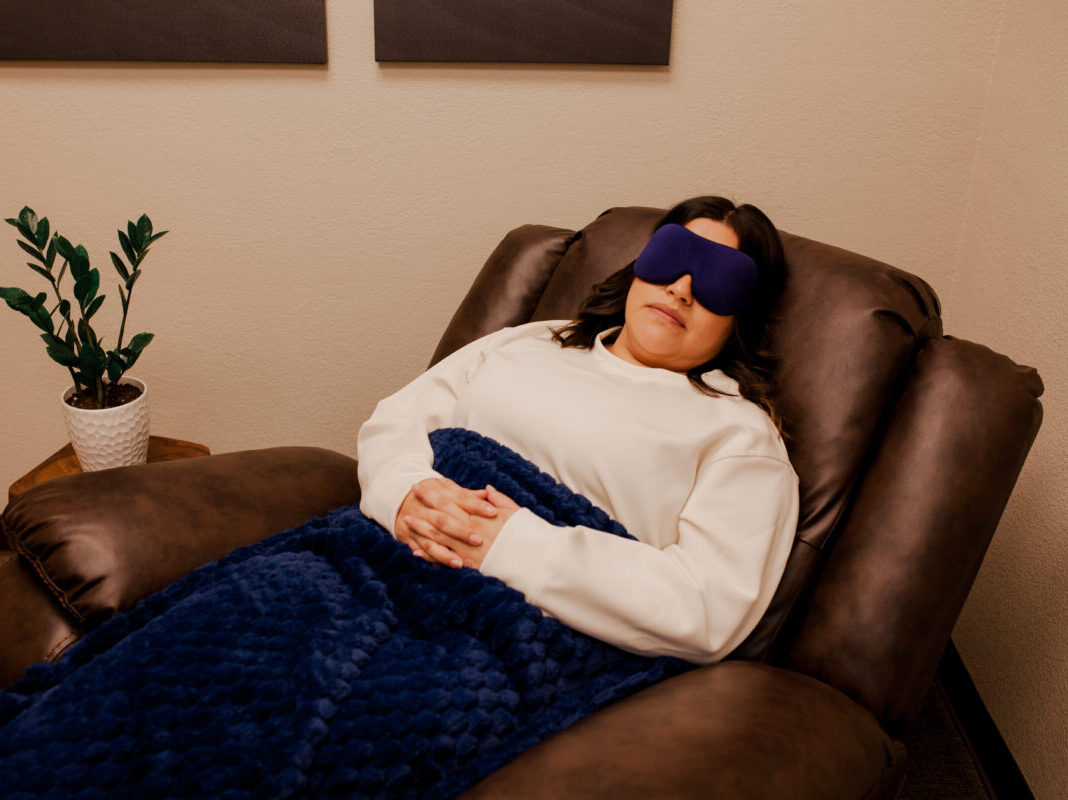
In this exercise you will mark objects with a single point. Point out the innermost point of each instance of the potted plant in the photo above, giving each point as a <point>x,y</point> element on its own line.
<point>105,410</point>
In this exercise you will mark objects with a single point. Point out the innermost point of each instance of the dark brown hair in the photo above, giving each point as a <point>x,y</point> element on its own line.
<point>746,356</point>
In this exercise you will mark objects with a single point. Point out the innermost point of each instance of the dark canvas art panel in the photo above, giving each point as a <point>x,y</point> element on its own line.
<point>553,31</point>
<point>278,31</point>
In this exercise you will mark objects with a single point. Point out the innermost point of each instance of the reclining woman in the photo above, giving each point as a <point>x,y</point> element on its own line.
<point>655,404</point>
<point>326,661</point>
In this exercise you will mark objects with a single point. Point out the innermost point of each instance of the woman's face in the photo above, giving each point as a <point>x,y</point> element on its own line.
<point>664,326</point>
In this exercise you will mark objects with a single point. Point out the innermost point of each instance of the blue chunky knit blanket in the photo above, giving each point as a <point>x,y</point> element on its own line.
<point>324,661</point>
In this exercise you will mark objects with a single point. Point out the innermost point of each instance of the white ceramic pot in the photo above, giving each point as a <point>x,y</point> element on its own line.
<point>109,437</point>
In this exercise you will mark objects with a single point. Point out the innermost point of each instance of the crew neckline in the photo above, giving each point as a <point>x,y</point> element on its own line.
<point>715,378</point>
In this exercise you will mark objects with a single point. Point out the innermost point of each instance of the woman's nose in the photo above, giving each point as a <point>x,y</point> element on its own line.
<point>682,288</point>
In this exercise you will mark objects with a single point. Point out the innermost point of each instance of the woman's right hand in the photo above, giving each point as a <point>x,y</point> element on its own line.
<point>447,507</point>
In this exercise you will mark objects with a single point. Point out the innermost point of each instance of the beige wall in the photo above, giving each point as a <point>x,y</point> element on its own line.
<point>326,221</point>
<point>1009,289</point>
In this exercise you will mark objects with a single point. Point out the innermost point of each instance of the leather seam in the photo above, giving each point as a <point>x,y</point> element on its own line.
<point>42,574</point>
<point>62,645</point>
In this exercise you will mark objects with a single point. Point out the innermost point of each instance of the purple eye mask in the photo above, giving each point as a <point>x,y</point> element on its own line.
<point>722,277</point>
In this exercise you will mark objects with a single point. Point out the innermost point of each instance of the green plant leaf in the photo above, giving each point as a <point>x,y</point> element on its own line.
<point>43,321</point>
<point>125,300</point>
<point>127,248</point>
<point>64,307</point>
<point>60,353</point>
<point>64,247</point>
<point>139,342</point>
<point>10,292</point>
<point>15,298</point>
<point>40,270</point>
<point>33,251</point>
<point>119,266</point>
<point>92,362</point>
<point>83,291</point>
<point>115,366</point>
<point>42,232</point>
<point>38,315</point>
<point>135,235</point>
<point>79,263</point>
<point>50,253</point>
<point>28,219</point>
<point>87,336</point>
<point>133,350</point>
<point>144,228</point>
<point>94,306</point>
<point>155,236</point>
<point>133,279</point>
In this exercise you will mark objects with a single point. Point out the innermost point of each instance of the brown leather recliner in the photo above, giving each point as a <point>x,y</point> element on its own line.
<point>907,443</point>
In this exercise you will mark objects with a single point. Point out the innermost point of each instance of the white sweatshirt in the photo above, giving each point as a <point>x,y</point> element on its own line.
<point>703,482</point>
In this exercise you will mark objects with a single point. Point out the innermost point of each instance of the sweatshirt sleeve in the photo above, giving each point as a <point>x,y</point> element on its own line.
<point>392,448</point>
<point>696,599</point>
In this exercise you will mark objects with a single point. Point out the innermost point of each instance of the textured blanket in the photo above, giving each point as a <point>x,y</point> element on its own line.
<point>324,661</point>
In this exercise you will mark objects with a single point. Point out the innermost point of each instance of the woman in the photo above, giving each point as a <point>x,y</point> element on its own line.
<point>654,404</point>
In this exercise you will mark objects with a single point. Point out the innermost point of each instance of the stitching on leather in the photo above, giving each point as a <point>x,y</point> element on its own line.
<point>19,547</point>
<point>62,645</point>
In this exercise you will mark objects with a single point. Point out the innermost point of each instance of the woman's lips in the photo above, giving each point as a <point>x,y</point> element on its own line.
<point>667,313</point>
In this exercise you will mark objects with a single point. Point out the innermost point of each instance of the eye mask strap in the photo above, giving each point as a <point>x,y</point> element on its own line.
<point>723,278</point>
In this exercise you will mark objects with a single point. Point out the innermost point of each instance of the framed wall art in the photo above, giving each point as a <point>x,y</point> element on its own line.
<point>551,31</point>
<point>278,31</point>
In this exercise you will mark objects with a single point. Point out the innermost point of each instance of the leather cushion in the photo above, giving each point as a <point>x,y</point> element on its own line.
<point>766,733</point>
<point>901,569</point>
<point>102,541</point>
<point>33,626</point>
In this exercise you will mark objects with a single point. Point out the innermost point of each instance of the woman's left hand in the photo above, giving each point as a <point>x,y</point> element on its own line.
<point>486,528</point>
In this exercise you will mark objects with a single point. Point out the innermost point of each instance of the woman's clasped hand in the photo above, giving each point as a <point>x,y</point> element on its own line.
<point>445,523</point>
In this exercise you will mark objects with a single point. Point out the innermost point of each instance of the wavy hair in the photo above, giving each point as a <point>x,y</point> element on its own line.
<point>746,357</point>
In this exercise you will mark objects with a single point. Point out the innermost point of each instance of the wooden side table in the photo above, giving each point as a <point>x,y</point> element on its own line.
<point>64,462</point>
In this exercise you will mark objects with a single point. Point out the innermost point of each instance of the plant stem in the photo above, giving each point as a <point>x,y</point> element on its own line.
<point>70,324</point>
<point>67,319</point>
<point>125,311</point>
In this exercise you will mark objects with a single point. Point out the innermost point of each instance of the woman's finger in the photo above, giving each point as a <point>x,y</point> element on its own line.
<point>421,548</point>
<point>453,497</point>
<point>473,503</point>
<point>448,525</point>
<point>499,499</point>
<point>427,493</point>
<point>462,492</point>
<point>425,533</point>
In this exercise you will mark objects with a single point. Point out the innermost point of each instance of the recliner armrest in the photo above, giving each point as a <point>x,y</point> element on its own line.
<point>102,541</point>
<point>733,729</point>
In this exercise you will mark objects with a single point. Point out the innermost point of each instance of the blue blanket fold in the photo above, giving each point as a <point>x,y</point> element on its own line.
<point>325,661</point>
